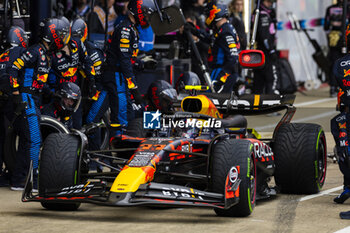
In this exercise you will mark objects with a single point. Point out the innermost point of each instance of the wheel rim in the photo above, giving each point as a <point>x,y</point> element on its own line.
<point>321,161</point>
<point>252,178</point>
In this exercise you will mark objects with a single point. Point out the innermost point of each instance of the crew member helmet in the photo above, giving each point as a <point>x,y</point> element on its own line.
<point>70,97</point>
<point>16,36</point>
<point>79,29</point>
<point>141,10</point>
<point>162,96</point>
<point>214,13</point>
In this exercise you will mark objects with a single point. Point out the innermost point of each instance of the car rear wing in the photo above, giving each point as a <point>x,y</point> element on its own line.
<point>228,104</point>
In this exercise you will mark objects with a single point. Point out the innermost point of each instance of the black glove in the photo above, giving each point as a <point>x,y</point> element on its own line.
<point>18,104</point>
<point>273,56</point>
<point>190,27</point>
<point>138,64</point>
<point>149,63</point>
<point>92,89</point>
<point>218,86</point>
<point>137,96</point>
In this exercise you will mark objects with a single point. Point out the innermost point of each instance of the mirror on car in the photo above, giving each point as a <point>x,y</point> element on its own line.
<point>252,59</point>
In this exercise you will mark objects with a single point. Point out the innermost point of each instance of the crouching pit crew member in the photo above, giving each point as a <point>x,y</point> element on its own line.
<point>64,103</point>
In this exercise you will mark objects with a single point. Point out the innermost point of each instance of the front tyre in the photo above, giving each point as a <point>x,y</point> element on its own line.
<point>300,157</point>
<point>58,167</point>
<point>230,153</point>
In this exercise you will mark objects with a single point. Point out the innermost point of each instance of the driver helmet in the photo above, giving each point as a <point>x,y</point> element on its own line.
<point>16,36</point>
<point>187,79</point>
<point>215,12</point>
<point>162,96</point>
<point>69,98</point>
<point>141,10</point>
<point>80,29</point>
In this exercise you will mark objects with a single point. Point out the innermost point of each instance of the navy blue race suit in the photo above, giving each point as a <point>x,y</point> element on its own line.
<point>119,77</point>
<point>6,60</point>
<point>100,106</point>
<point>340,123</point>
<point>101,102</point>
<point>333,28</point>
<point>266,79</point>
<point>65,68</point>
<point>35,63</point>
<point>223,58</point>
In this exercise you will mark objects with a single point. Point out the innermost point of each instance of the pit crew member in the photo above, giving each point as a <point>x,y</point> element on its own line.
<point>223,54</point>
<point>27,88</point>
<point>119,77</point>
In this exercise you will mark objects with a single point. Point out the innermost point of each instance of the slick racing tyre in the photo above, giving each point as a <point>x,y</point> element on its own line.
<point>58,165</point>
<point>48,125</point>
<point>300,157</point>
<point>135,128</point>
<point>230,153</point>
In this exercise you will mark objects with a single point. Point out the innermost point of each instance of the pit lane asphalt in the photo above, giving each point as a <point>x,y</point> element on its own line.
<point>284,213</point>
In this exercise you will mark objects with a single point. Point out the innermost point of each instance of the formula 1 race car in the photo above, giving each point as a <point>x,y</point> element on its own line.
<point>201,156</point>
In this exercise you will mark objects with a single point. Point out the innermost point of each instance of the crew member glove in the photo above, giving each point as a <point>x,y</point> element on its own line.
<point>18,104</point>
<point>218,86</point>
<point>149,63</point>
<point>273,55</point>
<point>137,96</point>
<point>93,89</point>
<point>138,64</point>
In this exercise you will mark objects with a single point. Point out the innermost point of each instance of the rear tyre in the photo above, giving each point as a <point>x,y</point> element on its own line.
<point>58,167</point>
<point>300,157</point>
<point>230,153</point>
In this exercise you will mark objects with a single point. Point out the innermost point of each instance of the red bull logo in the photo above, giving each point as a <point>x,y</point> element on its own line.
<point>140,13</point>
<point>212,15</point>
<point>342,126</point>
<point>71,80</point>
<point>346,73</point>
<point>70,72</point>
<point>135,52</point>
<point>95,97</point>
<point>130,83</point>
<point>42,78</point>
<point>14,82</point>
<point>224,78</point>
<point>57,39</point>
<point>93,70</point>
<point>37,85</point>
<point>4,57</point>
<point>18,34</point>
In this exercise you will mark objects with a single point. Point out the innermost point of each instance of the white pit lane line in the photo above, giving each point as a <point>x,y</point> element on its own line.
<point>325,192</point>
<point>314,102</point>
<point>345,230</point>
<point>311,118</point>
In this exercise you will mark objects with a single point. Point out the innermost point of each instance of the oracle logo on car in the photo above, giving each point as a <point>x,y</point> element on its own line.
<point>58,40</point>
<point>140,12</point>
<point>18,34</point>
